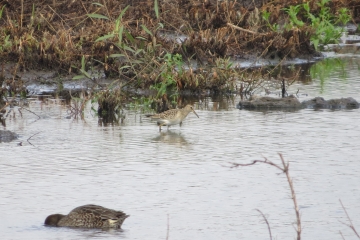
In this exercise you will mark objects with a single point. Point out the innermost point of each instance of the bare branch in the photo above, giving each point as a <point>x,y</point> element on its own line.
<point>342,236</point>
<point>254,162</point>
<point>6,104</point>
<point>293,195</point>
<point>168,228</point>
<point>29,111</point>
<point>31,137</point>
<point>351,224</point>
<point>266,221</point>
<point>243,29</point>
<point>284,169</point>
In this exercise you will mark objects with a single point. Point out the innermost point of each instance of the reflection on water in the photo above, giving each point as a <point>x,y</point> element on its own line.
<point>170,137</point>
<point>181,173</point>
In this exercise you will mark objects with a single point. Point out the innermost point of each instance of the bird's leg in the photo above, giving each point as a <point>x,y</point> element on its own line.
<point>160,125</point>
<point>180,124</point>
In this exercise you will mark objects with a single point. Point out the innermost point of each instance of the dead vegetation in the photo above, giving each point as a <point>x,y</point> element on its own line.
<point>59,33</point>
<point>137,41</point>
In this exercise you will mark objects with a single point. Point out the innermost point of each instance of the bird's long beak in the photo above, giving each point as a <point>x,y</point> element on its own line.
<point>195,113</point>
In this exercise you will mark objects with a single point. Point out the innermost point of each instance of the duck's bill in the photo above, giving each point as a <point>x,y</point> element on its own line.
<point>196,113</point>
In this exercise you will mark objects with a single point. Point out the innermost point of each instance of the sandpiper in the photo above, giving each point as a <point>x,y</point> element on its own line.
<point>88,216</point>
<point>172,116</point>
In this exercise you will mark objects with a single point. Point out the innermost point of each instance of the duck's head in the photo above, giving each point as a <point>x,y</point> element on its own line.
<point>52,220</point>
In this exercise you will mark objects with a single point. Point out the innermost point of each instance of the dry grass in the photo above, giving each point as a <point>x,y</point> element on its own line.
<point>129,41</point>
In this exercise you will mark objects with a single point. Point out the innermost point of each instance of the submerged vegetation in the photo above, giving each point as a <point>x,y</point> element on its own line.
<point>150,44</point>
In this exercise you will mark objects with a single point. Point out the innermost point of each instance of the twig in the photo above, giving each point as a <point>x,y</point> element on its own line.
<point>342,236</point>
<point>241,29</point>
<point>351,224</point>
<point>284,169</point>
<point>168,228</point>
<point>31,137</point>
<point>6,104</point>
<point>266,221</point>
<point>30,111</point>
<point>293,195</point>
<point>62,20</point>
<point>254,162</point>
<point>22,13</point>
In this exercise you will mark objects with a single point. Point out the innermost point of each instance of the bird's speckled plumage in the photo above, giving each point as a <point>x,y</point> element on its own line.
<point>88,216</point>
<point>172,116</point>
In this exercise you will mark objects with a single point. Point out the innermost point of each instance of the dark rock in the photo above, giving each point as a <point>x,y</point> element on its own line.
<point>341,103</point>
<point>290,102</point>
<point>7,136</point>
<point>316,103</point>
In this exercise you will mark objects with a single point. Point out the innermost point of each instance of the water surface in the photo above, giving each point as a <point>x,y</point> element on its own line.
<point>183,174</point>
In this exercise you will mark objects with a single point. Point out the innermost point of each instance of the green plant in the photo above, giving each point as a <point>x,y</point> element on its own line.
<point>84,74</point>
<point>6,43</point>
<point>266,16</point>
<point>344,16</point>
<point>226,73</point>
<point>32,16</point>
<point>136,53</point>
<point>143,104</point>
<point>118,27</point>
<point>156,8</point>
<point>172,67</point>
<point>323,24</point>
<point>2,10</point>
<point>293,11</point>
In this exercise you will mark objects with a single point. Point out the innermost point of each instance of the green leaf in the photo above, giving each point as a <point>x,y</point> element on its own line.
<point>95,15</point>
<point>116,55</point>
<point>316,43</point>
<point>141,38</point>
<point>99,4</point>
<point>156,8</point>
<point>78,77</point>
<point>123,11</point>
<point>117,24</point>
<point>83,62</point>
<point>129,48</point>
<point>120,33</point>
<point>147,30</point>
<point>138,51</point>
<point>85,73</point>
<point>104,37</point>
<point>2,10</point>
<point>129,36</point>
<point>126,66</point>
<point>306,7</point>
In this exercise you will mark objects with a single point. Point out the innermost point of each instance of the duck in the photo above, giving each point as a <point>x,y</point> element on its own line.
<point>88,216</point>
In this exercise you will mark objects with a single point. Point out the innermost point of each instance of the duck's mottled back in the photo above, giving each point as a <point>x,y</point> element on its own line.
<point>89,216</point>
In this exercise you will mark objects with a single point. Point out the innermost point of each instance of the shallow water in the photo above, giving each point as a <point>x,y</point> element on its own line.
<point>181,179</point>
